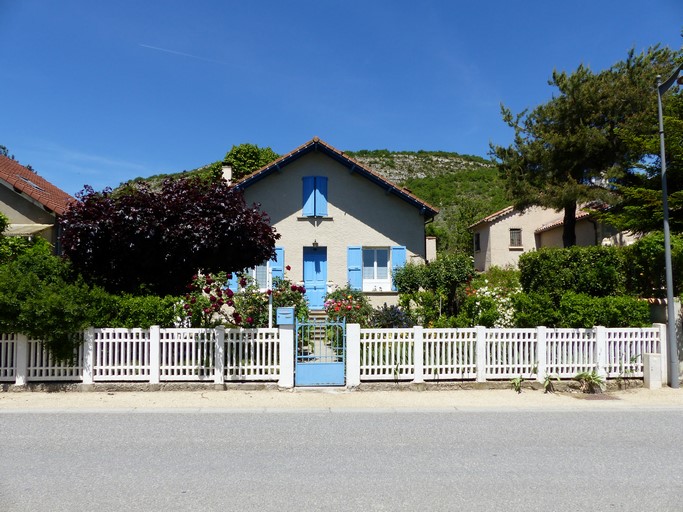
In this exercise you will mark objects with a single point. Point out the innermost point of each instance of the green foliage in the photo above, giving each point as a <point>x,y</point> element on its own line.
<point>350,304</point>
<point>41,298</point>
<point>516,384</point>
<point>590,382</point>
<point>595,270</point>
<point>430,291</point>
<point>247,158</point>
<point>143,311</point>
<point>477,310</point>
<point>579,311</point>
<point>11,247</point>
<point>645,271</point>
<point>252,303</point>
<point>566,148</point>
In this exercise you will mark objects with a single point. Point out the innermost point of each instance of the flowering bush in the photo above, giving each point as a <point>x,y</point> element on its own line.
<point>489,299</point>
<point>210,302</point>
<point>252,303</point>
<point>349,304</point>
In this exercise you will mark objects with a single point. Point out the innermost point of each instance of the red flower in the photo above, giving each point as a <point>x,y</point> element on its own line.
<point>294,287</point>
<point>269,292</point>
<point>250,320</point>
<point>288,267</point>
<point>243,282</point>
<point>207,289</point>
<point>229,293</point>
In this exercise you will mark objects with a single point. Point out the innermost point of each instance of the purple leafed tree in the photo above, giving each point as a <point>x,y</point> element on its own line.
<point>153,240</point>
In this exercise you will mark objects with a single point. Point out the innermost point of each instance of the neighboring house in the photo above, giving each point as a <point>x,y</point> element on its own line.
<point>502,237</point>
<point>31,203</point>
<point>341,223</point>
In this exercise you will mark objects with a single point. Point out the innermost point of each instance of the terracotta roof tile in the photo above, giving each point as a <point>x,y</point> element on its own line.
<point>24,180</point>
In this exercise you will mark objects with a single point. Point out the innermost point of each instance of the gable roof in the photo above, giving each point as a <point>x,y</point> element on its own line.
<point>580,215</point>
<point>315,144</point>
<point>26,182</point>
<point>493,217</point>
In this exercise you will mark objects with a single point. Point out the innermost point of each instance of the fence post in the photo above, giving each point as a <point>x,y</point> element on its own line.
<point>601,350</point>
<point>352,355</point>
<point>481,353</point>
<point>88,355</point>
<point>541,351</point>
<point>664,351</point>
<point>418,354</point>
<point>21,360</point>
<point>286,335</point>
<point>219,357</point>
<point>154,354</point>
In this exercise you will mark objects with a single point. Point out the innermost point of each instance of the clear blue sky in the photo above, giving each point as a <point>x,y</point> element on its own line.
<point>98,92</point>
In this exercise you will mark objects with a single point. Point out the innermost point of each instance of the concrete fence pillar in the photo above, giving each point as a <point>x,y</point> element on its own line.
<point>663,351</point>
<point>541,354</point>
<point>21,360</point>
<point>88,355</point>
<point>219,357</point>
<point>418,354</point>
<point>154,354</point>
<point>652,371</point>
<point>480,351</point>
<point>287,351</point>
<point>601,351</point>
<point>352,355</point>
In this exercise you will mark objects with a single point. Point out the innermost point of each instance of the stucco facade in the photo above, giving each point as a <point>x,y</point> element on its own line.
<point>31,204</point>
<point>363,211</point>
<point>535,227</point>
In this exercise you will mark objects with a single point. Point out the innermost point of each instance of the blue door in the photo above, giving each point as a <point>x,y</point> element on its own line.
<point>315,276</point>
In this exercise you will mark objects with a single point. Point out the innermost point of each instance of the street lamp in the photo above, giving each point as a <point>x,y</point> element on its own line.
<point>671,319</point>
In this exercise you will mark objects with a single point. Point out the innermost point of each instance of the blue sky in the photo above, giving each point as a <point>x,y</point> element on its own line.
<point>100,92</point>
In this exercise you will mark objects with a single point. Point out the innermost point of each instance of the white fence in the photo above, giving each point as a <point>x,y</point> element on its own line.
<point>259,355</point>
<point>482,354</point>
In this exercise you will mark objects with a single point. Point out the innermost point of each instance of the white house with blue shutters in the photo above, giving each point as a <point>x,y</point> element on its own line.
<point>339,222</point>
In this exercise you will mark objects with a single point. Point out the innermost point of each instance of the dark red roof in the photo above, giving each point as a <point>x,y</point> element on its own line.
<point>24,180</point>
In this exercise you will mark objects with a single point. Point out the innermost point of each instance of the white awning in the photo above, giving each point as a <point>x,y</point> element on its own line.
<point>25,229</point>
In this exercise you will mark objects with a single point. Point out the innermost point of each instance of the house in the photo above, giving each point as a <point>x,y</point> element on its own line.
<point>503,236</point>
<point>31,203</point>
<point>340,223</point>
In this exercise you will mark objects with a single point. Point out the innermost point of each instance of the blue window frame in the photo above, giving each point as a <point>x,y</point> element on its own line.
<point>315,196</point>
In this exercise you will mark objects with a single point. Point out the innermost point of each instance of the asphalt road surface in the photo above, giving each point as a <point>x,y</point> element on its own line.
<point>351,460</point>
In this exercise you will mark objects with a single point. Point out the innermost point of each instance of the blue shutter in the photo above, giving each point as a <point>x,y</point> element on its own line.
<point>354,262</point>
<point>309,196</point>
<point>398,260</point>
<point>277,265</point>
<point>321,196</point>
<point>232,282</point>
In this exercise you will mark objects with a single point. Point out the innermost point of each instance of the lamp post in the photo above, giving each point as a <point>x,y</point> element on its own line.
<point>671,319</point>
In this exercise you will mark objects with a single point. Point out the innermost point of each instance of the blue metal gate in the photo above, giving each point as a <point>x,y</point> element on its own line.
<point>320,353</point>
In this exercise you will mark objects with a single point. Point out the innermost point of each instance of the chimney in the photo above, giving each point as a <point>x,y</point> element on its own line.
<point>227,173</point>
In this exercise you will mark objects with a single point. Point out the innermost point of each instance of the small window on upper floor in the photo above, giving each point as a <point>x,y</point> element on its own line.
<point>515,237</point>
<point>315,196</point>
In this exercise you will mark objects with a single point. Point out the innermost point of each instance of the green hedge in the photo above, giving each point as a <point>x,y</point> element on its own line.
<point>580,311</point>
<point>596,271</point>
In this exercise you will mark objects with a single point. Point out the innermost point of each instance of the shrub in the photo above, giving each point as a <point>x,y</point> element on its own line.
<point>645,272</point>
<point>579,311</point>
<point>143,311</point>
<point>349,304</point>
<point>596,271</point>
<point>390,317</point>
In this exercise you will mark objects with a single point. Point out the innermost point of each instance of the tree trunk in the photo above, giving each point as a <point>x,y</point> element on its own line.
<point>569,227</point>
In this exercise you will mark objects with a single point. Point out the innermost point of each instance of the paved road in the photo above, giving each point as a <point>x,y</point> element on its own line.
<point>355,460</point>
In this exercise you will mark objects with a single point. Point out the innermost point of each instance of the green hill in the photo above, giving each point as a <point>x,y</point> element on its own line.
<point>465,188</point>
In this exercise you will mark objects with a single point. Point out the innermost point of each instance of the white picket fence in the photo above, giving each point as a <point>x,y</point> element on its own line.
<point>482,354</point>
<point>259,355</point>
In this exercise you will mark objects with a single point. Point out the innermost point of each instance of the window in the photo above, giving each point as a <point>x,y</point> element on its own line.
<point>371,268</point>
<point>477,242</point>
<point>315,196</point>
<point>261,273</point>
<point>515,237</point>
